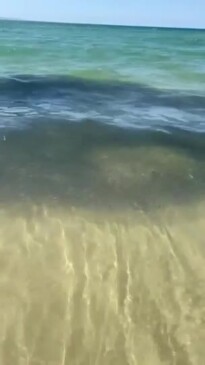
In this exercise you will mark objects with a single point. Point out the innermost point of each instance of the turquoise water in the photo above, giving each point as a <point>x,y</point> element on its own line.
<point>144,77</point>
<point>167,58</point>
<point>102,195</point>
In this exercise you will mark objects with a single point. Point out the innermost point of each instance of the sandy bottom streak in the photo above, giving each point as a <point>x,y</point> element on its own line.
<point>78,287</point>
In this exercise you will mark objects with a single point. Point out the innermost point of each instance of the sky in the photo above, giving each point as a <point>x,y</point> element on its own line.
<point>171,13</point>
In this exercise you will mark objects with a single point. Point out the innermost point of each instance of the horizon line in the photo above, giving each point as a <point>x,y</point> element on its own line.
<point>99,24</point>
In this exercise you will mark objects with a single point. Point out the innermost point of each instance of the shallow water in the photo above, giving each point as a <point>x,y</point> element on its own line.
<point>102,288</point>
<point>102,246</point>
<point>102,201</point>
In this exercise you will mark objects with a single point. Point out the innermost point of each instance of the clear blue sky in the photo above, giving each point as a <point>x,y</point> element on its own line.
<point>177,13</point>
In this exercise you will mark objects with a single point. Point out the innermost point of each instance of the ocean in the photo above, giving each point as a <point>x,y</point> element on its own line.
<point>102,195</point>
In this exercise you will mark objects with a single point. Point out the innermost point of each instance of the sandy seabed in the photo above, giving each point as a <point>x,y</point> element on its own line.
<point>107,288</point>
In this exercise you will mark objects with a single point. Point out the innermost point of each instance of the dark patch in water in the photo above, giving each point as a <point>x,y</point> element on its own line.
<point>120,103</point>
<point>55,86</point>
